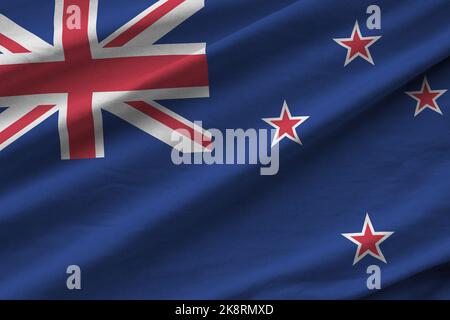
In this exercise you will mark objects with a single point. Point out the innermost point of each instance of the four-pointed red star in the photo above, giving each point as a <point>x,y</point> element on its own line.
<point>357,45</point>
<point>426,98</point>
<point>368,241</point>
<point>285,125</point>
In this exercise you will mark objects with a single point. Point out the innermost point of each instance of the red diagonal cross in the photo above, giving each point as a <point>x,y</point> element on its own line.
<point>79,75</point>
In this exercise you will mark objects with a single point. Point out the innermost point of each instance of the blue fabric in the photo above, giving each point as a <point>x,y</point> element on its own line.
<point>141,227</point>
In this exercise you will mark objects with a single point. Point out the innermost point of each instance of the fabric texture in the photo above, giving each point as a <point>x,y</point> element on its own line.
<point>141,227</point>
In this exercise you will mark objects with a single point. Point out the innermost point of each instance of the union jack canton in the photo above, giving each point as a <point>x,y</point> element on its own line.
<point>78,76</point>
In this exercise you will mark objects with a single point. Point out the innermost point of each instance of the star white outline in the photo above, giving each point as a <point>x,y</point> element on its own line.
<point>440,92</point>
<point>277,138</point>
<point>349,59</point>
<point>368,223</point>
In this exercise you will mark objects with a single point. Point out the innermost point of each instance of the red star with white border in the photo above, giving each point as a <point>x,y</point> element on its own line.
<point>357,45</point>
<point>368,241</point>
<point>426,98</point>
<point>285,125</point>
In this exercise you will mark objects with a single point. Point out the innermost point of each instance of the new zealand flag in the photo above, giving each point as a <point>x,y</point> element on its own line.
<point>224,149</point>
